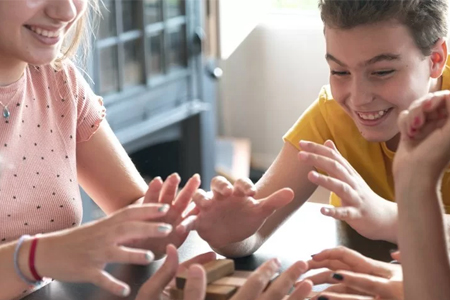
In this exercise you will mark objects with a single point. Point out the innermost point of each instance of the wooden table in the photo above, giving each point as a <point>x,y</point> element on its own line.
<point>306,232</point>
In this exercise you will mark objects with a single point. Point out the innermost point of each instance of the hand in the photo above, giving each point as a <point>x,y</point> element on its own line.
<point>230,214</point>
<point>80,254</point>
<point>355,276</point>
<point>166,193</point>
<point>361,207</point>
<point>195,289</point>
<point>425,136</point>
<point>253,289</point>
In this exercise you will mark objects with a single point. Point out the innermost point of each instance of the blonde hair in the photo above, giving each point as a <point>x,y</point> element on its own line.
<point>78,40</point>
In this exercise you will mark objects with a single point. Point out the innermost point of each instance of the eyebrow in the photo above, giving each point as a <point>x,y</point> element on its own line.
<point>373,60</point>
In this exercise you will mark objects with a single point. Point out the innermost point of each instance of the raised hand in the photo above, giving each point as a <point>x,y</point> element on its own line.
<point>166,193</point>
<point>80,254</point>
<point>355,276</point>
<point>229,214</point>
<point>361,207</point>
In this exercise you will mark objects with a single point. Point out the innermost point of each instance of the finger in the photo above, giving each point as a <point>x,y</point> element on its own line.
<point>125,255</point>
<point>153,287</point>
<point>107,282</point>
<point>221,187</point>
<point>244,187</point>
<point>186,194</point>
<point>331,166</point>
<point>138,212</point>
<point>354,260</point>
<point>169,189</point>
<point>331,264</point>
<point>342,189</point>
<point>257,281</point>
<point>202,199</point>
<point>154,189</point>
<point>403,125</point>
<point>199,259</point>
<point>346,213</point>
<point>191,210</point>
<point>186,225</point>
<point>281,286</point>
<point>275,201</point>
<point>396,256</point>
<point>127,231</point>
<point>335,296</point>
<point>301,291</point>
<point>437,99</point>
<point>372,285</point>
<point>427,129</point>
<point>195,288</point>
<point>327,150</point>
<point>321,278</point>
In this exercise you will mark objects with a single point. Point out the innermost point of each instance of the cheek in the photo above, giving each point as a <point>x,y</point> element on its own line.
<point>81,6</point>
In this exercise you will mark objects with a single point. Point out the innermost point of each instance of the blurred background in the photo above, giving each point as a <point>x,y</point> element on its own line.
<point>206,86</point>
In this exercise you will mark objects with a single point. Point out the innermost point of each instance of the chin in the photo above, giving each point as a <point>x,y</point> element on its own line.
<point>377,137</point>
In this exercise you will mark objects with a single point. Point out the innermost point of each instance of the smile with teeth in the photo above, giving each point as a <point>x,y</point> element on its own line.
<point>45,33</point>
<point>372,115</point>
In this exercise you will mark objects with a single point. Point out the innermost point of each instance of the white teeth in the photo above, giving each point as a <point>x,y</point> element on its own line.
<point>45,33</point>
<point>372,116</point>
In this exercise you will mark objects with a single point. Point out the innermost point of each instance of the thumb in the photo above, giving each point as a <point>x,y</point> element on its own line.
<point>154,287</point>
<point>277,200</point>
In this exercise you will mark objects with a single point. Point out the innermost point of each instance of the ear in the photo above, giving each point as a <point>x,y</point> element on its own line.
<point>438,58</point>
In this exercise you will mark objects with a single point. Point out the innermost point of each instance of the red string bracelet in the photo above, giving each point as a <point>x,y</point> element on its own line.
<point>31,259</point>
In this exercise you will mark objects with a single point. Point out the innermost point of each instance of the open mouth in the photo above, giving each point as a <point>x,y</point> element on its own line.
<point>43,32</point>
<point>374,117</point>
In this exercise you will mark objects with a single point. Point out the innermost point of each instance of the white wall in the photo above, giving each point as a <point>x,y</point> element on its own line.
<point>274,75</point>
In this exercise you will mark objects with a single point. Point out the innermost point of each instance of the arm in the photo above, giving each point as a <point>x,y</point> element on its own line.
<point>286,171</point>
<point>107,173</point>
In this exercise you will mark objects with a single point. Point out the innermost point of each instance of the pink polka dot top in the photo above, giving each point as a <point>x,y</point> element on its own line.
<point>50,112</point>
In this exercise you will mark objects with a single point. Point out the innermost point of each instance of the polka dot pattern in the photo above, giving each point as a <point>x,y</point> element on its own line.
<point>50,113</point>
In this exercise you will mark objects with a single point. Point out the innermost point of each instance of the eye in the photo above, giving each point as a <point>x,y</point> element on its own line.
<point>336,73</point>
<point>383,73</point>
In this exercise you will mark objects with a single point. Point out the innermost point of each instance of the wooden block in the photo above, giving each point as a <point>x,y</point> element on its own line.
<point>231,281</point>
<point>213,292</point>
<point>214,270</point>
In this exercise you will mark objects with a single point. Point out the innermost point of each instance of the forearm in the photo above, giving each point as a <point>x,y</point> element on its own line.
<point>10,284</point>
<point>243,248</point>
<point>386,223</point>
<point>422,240</point>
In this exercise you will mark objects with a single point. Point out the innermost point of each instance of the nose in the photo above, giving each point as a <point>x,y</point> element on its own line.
<point>62,10</point>
<point>360,93</point>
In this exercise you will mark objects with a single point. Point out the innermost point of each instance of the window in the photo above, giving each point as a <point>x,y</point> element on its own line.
<point>140,43</point>
<point>295,5</point>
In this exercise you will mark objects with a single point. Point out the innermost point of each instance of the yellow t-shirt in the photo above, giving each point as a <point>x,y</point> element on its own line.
<point>326,120</point>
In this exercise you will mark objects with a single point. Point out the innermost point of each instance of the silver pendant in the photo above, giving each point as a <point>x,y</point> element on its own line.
<point>6,112</point>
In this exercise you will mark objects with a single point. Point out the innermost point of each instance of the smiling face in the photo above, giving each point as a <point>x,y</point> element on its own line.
<point>376,71</point>
<point>33,31</point>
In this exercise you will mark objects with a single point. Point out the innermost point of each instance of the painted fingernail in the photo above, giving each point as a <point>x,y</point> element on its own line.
<point>164,228</point>
<point>322,298</point>
<point>125,291</point>
<point>416,121</point>
<point>164,208</point>
<point>149,256</point>
<point>338,276</point>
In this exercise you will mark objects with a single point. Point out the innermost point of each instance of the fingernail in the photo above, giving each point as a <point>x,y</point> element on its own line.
<point>326,211</point>
<point>164,228</point>
<point>164,208</point>
<point>194,272</point>
<point>196,176</point>
<point>276,263</point>
<point>149,256</point>
<point>416,121</point>
<point>314,174</point>
<point>125,291</point>
<point>322,298</point>
<point>338,276</point>
<point>312,255</point>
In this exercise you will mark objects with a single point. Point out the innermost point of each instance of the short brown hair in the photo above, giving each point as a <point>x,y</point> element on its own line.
<point>425,19</point>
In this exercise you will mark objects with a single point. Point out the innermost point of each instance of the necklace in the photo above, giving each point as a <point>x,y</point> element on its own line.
<point>6,112</point>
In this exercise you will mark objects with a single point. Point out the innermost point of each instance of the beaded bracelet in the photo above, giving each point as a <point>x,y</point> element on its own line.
<point>22,239</point>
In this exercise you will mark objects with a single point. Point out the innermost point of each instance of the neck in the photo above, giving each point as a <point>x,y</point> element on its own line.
<point>435,85</point>
<point>10,70</point>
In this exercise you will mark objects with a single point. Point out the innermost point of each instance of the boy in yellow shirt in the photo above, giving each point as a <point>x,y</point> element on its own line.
<point>383,55</point>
